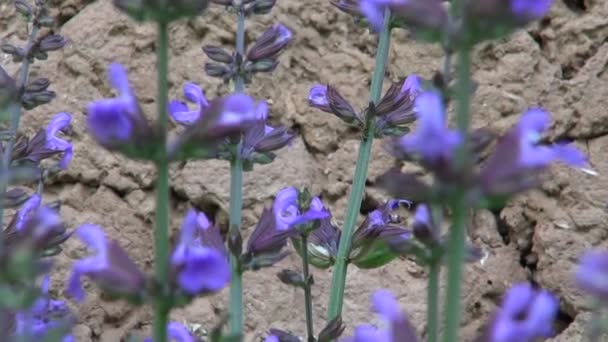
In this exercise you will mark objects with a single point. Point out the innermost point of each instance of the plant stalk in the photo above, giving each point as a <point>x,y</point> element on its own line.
<point>354,204</point>
<point>457,238</point>
<point>236,200</point>
<point>161,229</point>
<point>432,301</point>
<point>15,111</point>
<point>307,290</point>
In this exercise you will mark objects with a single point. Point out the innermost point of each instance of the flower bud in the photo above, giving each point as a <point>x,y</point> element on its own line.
<point>218,54</point>
<point>45,21</point>
<point>8,89</point>
<point>332,330</point>
<point>10,49</point>
<point>23,8</point>
<point>263,65</point>
<point>14,197</point>
<point>51,43</point>
<point>33,100</point>
<point>217,70</point>
<point>38,85</point>
<point>291,278</point>
<point>261,7</point>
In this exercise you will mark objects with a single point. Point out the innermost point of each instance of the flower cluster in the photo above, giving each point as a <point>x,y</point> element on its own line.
<point>390,116</point>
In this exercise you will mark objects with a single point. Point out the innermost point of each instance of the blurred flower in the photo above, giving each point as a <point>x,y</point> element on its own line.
<point>424,228</point>
<point>267,238</point>
<point>432,141</point>
<point>287,213</point>
<point>110,268</point>
<point>161,11</point>
<point>59,123</point>
<point>592,274</point>
<point>347,6</point>
<point>272,338</point>
<point>198,269</point>
<point>428,15</point>
<point>118,123</point>
<point>44,316</point>
<point>398,327</point>
<point>518,158</point>
<point>179,111</point>
<point>526,315</point>
<point>177,333</point>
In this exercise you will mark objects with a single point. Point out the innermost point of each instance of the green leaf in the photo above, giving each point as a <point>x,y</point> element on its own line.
<point>377,255</point>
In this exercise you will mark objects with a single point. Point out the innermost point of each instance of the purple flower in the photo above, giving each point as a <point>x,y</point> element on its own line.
<point>270,44</point>
<point>432,141</point>
<point>59,123</point>
<point>526,315</point>
<point>396,108</point>
<point>177,333</point>
<point>43,316</point>
<point>266,237</point>
<point>271,338</point>
<point>110,268</point>
<point>518,157</point>
<point>179,111</point>
<point>530,9</point>
<point>207,234</point>
<point>118,121</point>
<point>263,139</point>
<point>286,211</point>
<point>423,226</point>
<point>317,97</point>
<point>412,86</point>
<point>373,10</point>
<point>198,269</point>
<point>592,274</point>
<point>30,206</point>
<point>398,327</point>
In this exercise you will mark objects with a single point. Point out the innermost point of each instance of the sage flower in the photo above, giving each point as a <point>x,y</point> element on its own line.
<point>110,268</point>
<point>287,213</point>
<point>592,274</point>
<point>428,15</point>
<point>179,111</point>
<point>270,44</point>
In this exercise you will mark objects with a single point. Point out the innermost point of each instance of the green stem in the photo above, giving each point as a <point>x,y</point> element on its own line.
<point>236,200</point>
<point>161,229</point>
<point>354,204</point>
<point>432,301</point>
<point>15,111</point>
<point>239,82</point>
<point>236,284</point>
<point>456,244</point>
<point>307,290</point>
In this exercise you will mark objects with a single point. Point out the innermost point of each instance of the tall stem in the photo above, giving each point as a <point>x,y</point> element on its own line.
<point>161,229</point>
<point>432,301</point>
<point>236,200</point>
<point>307,290</point>
<point>456,244</point>
<point>15,113</point>
<point>358,188</point>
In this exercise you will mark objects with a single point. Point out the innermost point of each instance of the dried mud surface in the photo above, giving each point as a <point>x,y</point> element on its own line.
<point>559,64</point>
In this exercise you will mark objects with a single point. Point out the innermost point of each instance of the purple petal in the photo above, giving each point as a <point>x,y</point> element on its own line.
<point>238,110</point>
<point>60,122</point>
<point>194,94</point>
<point>413,85</point>
<point>316,204</point>
<point>423,215</point>
<point>205,270</point>
<point>261,111</point>
<point>385,304</point>
<point>317,97</point>
<point>309,216</point>
<point>181,114</point>
<point>592,273</point>
<point>179,333</point>
<point>93,236</point>
<point>285,207</point>
<point>271,338</point>
<point>108,121</point>
<point>80,269</point>
<point>32,204</point>
<point>285,34</point>
<point>373,10</point>
<point>203,221</point>
<point>542,313</point>
<point>119,79</point>
<point>531,9</point>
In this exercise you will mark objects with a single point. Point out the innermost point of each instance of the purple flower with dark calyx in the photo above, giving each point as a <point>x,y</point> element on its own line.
<point>518,158</point>
<point>287,213</point>
<point>198,269</point>
<point>177,333</point>
<point>432,141</point>
<point>592,274</point>
<point>398,327</point>
<point>118,123</point>
<point>59,123</point>
<point>270,44</point>
<point>206,233</point>
<point>396,108</point>
<point>526,315</point>
<point>329,100</point>
<point>224,118</point>
<point>376,221</point>
<point>179,111</point>
<point>261,139</point>
<point>43,317</point>
<point>110,268</point>
<point>267,238</point>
